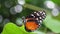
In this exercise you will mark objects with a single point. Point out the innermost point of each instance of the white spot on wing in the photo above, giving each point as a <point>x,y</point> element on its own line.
<point>43,16</point>
<point>37,14</point>
<point>40,17</point>
<point>32,15</point>
<point>44,13</point>
<point>40,11</point>
<point>36,18</point>
<point>34,12</point>
<point>41,21</point>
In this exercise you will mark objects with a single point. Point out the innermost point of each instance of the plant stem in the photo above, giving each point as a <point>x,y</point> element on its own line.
<point>33,7</point>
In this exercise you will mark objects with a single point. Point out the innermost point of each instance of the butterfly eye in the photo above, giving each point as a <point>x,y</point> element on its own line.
<point>23,18</point>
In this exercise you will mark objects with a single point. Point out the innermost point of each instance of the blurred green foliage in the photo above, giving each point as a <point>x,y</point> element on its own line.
<point>52,23</point>
<point>56,2</point>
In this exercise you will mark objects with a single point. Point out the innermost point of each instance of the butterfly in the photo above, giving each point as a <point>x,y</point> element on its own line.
<point>33,21</point>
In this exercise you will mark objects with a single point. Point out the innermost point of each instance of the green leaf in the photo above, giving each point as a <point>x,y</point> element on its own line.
<point>52,24</point>
<point>11,28</point>
<point>57,2</point>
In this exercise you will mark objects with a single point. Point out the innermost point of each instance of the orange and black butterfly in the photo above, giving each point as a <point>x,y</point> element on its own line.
<point>34,20</point>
